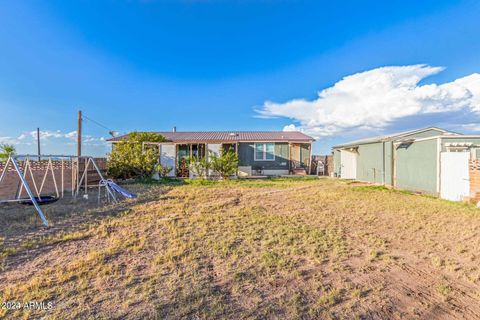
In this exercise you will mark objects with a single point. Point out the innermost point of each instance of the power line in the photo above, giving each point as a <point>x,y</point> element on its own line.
<point>97,123</point>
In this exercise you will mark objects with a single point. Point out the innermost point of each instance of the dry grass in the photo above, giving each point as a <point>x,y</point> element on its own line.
<point>280,248</point>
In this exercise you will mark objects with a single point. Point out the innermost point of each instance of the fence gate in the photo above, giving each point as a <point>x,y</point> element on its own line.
<point>454,177</point>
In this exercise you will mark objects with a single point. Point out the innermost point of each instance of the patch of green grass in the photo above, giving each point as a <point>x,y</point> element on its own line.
<point>444,290</point>
<point>380,188</point>
<point>274,261</point>
<point>357,293</point>
<point>252,183</point>
<point>330,297</point>
<point>163,181</point>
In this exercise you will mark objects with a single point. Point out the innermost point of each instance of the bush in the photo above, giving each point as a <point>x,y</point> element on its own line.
<point>163,171</point>
<point>225,165</point>
<point>199,167</point>
<point>127,159</point>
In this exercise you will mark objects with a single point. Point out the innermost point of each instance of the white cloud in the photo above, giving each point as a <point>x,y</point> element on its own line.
<point>7,140</point>
<point>45,135</point>
<point>71,135</point>
<point>471,126</point>
<point>291,127</point>
<point>28,138</point>
<point>373,99</point>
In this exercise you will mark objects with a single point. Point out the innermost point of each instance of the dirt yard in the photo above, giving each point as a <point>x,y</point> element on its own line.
<point>263,249</point>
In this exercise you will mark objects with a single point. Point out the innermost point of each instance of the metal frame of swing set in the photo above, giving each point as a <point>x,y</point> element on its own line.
<point>76,184</point>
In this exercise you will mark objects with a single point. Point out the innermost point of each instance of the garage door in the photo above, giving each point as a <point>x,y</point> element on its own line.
<point>454,178</point>
<point>348,165</point>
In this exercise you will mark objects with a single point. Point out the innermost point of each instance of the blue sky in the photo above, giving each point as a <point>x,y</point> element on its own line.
<point>235,65</point>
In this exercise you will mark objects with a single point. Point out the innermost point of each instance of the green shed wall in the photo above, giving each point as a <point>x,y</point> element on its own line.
<point>426,134</point>
<point>370,162</point>
<point>389,163</point>
<point>416,166</point>
<point>246,156</point>
<point>375,160</point>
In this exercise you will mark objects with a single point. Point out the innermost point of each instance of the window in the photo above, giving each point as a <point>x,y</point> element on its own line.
<point>264,152</point>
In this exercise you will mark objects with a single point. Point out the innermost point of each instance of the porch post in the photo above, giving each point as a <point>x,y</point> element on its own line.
<point>289,158</point>
<point>176,159</point>
<point>236,151</point>
<point>310,160</point>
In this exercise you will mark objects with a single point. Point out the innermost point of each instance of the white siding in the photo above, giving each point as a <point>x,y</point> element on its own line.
<point>167,157</point>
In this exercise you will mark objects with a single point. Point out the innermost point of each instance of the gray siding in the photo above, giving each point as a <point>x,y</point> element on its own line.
<point>246,156</point>
<point>416,166</point>
<point>389,163</point>
<point>370,162</point>
<point>426,134</point>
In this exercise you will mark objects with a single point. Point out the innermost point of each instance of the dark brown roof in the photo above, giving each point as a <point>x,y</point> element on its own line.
<point>234,136</point>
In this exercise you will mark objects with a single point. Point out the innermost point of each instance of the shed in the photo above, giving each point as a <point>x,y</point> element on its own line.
<point>371,159</point>
<point>429,160</point>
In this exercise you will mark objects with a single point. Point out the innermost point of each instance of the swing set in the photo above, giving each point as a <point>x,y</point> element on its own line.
<point>34,171</point>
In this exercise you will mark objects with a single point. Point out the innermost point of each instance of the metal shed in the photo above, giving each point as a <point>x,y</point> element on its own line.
<point>430,160</point>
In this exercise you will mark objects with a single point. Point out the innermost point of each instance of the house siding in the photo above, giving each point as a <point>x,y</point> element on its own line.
<point>416,166</point>
<point>246,156</point>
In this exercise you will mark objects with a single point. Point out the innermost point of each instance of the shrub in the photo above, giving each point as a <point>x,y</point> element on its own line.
<point>225,165</point>
<point>127,159</point>
<point>163,171</point>
<point>198,166</point>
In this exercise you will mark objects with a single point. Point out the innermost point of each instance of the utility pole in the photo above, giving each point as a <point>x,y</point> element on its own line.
<point>38,144</point>
<point>79,134</point>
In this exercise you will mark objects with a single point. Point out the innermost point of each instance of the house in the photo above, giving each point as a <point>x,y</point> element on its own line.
<point>260,152</point>
<point>429,160</point>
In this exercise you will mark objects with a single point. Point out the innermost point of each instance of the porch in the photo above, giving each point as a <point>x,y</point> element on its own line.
<point>300,158</point>
<point>199,151</point>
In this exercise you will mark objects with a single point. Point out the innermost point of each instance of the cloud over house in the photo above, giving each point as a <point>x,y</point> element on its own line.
<point>376,98</point>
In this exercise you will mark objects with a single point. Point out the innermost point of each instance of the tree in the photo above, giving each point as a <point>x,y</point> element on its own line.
<point>226,164</point>
<point>6,150</point>
<point>128,160</point>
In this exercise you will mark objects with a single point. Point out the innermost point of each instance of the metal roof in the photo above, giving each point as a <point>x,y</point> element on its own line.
<point>229,136</point>
<point>392,136</point>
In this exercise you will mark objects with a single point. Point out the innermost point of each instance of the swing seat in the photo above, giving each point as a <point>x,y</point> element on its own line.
<point>40,200</point>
